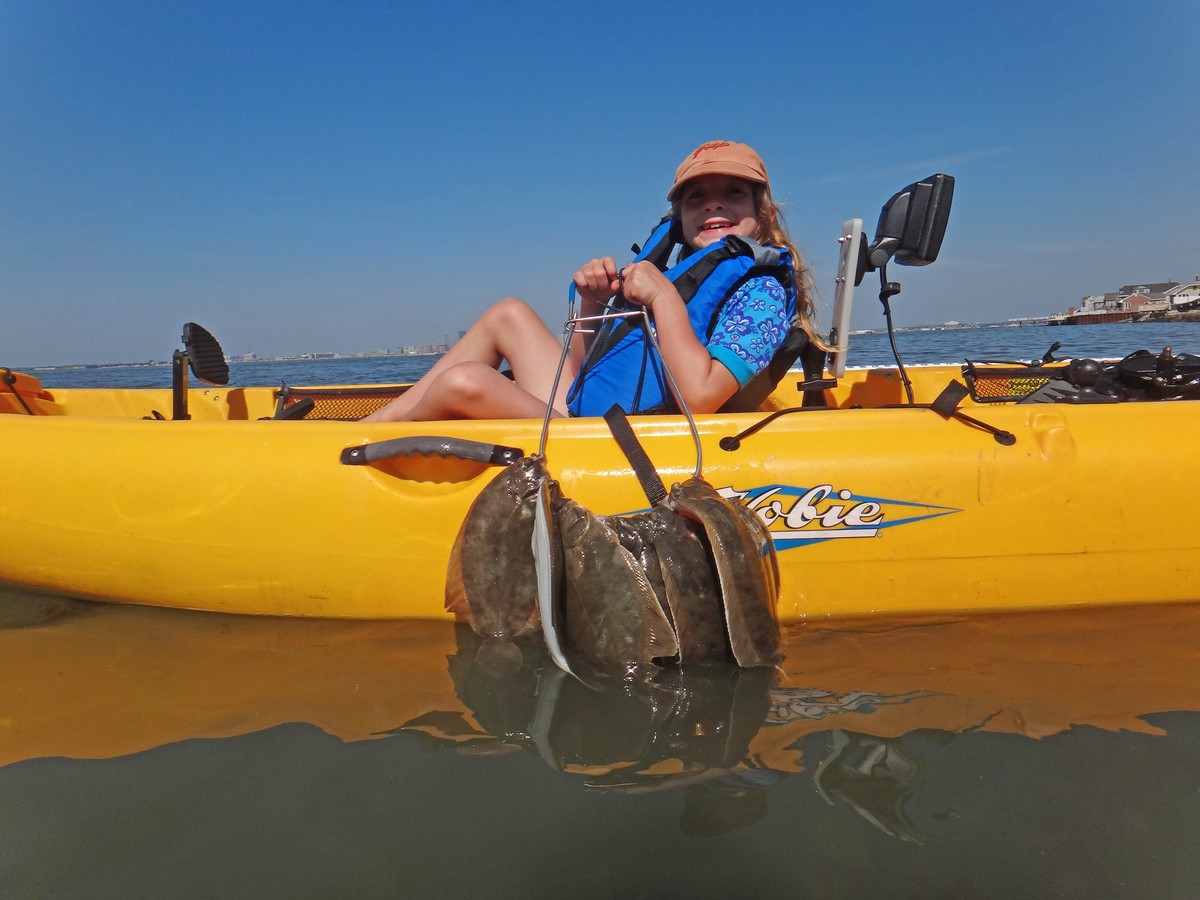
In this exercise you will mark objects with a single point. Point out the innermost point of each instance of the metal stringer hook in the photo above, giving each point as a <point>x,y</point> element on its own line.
<point>569,331</point>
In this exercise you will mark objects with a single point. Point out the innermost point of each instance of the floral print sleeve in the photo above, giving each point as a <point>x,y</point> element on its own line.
<point>751,328</point>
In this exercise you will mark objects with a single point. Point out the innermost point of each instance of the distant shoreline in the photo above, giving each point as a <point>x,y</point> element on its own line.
<point>302,357</point>
<point>1031,322</point>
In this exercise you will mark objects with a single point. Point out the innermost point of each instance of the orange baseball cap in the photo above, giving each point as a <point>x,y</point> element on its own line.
<point>720,158</point>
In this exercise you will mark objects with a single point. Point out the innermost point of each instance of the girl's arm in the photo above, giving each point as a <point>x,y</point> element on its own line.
<point>705,383</point>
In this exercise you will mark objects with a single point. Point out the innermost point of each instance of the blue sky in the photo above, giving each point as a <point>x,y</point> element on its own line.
<point>334,177</point>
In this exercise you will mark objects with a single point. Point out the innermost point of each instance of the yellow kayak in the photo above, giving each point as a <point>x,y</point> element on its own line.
<point>875,505</point>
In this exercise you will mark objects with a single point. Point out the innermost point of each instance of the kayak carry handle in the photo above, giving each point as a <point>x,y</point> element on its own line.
<point>431,445</point>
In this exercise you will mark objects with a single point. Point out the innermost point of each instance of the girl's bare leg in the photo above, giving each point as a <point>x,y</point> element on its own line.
<point>475,391</point>
<point>464,383</point>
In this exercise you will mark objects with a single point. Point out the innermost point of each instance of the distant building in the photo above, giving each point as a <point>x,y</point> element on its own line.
<point>1131,298</point>
<point>1140,303</point>
<point>1095,303</point>
<point>1156,291</point>
<point>1184,295</point>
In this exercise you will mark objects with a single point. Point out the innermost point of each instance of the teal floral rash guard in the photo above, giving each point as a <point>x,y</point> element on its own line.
<point>751,328</point>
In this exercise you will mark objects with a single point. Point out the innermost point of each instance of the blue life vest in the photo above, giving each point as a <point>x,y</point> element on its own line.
<point>621,365</point>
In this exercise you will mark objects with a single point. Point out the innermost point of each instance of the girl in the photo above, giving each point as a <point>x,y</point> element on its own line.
<point>721,189</point>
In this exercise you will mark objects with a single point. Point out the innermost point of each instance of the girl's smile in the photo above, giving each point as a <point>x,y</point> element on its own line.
<point>712,206</point>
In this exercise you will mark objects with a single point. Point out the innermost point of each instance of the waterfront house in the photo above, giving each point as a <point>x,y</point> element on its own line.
<point>1184,296</point>
<point>1156,291</point>
<point>1141,303</point>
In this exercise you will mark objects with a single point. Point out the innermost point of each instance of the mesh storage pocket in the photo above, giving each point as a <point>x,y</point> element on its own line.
<point>336,403</point>
<point>1006,383</point>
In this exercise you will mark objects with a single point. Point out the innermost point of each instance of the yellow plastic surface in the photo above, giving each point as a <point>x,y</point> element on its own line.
<point>888,509</point>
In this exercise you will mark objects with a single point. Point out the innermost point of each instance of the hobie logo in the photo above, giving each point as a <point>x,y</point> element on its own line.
<point>797,516</point>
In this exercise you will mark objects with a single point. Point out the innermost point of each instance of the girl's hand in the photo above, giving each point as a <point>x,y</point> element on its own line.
<point>596,281</point>
<point>643,283</point>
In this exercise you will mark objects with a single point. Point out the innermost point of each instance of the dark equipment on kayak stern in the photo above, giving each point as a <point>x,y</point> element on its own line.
<point>203,355</point>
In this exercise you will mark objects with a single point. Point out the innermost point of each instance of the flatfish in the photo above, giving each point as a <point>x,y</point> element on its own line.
<point>766,547</point>
<point>491,580</point>
<point>747,571</point>
<point>613,617</point>
<point>678,566</point>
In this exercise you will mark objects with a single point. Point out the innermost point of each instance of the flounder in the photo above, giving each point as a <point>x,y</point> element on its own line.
<point>491,581</point>
<point>746,567</point>
<point>679,568</point>
<point>613,617</point>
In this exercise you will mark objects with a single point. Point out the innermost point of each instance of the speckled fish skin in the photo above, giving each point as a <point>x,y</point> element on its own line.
<point>766,547</point>
<point>613,618</point>
<point>748,590</point>
<point>635,532</point>
<point>491,580</point>
<point>681,571</point>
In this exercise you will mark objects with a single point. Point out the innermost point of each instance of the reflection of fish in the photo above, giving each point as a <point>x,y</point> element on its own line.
<point>491,580</point>
<point>618,734</point>
<point>613,618</point>
<point>747,570</point>
<point>677,563</point>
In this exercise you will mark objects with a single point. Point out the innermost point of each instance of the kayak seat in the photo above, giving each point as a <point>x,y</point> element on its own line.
<point>17,390</point>
<point>203,355</point>
<point>347,403</point>
<point>797,347</point>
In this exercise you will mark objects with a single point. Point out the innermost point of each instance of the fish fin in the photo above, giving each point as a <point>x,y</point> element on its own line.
<point>456,592</point>
<point>765,543</point>
<point>748,590</point>
<point>661,640</point>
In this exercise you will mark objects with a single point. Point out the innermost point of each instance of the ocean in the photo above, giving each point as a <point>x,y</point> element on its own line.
<point>163,753</point>
<point>917,347</point>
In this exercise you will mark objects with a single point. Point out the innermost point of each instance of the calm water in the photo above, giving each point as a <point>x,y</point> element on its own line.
<point>158,753</point>
<point>916,347</point>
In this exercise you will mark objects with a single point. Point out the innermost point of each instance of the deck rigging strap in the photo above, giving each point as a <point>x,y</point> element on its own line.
<point>946,406</point>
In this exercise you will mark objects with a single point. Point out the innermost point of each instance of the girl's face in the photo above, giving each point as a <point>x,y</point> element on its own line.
<point>712,206</point>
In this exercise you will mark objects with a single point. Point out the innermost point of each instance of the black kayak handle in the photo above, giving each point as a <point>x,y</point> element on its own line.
<point>431,445</point>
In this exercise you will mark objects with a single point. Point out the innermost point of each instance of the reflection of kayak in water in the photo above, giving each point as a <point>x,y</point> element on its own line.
<point>90,681</point>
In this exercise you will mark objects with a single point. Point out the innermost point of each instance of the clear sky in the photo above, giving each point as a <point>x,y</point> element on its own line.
<point>333,177</point>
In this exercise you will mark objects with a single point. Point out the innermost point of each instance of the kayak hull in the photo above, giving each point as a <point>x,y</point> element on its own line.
<point>877,509</point>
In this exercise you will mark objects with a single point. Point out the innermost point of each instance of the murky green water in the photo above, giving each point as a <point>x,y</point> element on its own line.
<point>156,753</point>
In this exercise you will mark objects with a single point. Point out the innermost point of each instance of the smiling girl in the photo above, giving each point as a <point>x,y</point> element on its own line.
<point>727,331</point>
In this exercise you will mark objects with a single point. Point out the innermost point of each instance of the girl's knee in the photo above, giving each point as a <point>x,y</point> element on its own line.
<point>465,384</point>
<point>510,309</point>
